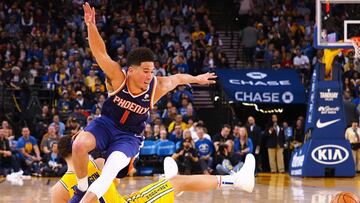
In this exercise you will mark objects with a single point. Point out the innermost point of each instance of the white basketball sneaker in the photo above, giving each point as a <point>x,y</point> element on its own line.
<point>245,178</point>
<point>170,167</point>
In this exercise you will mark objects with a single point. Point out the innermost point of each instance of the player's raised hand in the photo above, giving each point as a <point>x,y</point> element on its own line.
<point>206,78</point>
<point>89,14</point>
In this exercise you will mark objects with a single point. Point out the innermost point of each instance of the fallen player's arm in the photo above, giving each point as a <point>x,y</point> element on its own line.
<point>59,194</point>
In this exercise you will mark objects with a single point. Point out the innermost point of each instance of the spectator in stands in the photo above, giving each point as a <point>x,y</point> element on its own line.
<point>187,159</point>
<point>61,125</point>
<point>275,144</point>
<point>210,61</point>
<point>29,152</point>
<point>249,37</point>
<point>301,62</point>
<point>55,166</point>
<point>225,162</point>
<point>223,136</point>
<point>178,121</point>
<point>353,135</point>
<point>163,136</point>
<point>181,65</point>
<point>8,160</point>
<point>243,144</point>
<point>99,103</point>
<point>81,101</point>
<point>64,103</point>
<point>148,132</point>
<point>48,139</point>
<point>156,131</point>
<point>205,150</point>
<point>176,135</point>
<point>194,62</point>
<point>72,126</point>
<point>42,120</point>
<point>298,135</point>
<point>5,126</point>
<point>254,133</point>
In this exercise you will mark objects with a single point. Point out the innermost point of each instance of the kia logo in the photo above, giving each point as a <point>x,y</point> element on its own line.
<point>256,75</point>
<point>329,154</point>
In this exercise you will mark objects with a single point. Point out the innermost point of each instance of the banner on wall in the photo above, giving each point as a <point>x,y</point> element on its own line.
<point>281,86</point>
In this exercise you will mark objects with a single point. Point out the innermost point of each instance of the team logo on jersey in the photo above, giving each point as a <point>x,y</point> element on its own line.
<point>146,98</point>
<point>131,106</point>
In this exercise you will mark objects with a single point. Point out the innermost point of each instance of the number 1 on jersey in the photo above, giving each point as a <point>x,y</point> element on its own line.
<point>124,117</point>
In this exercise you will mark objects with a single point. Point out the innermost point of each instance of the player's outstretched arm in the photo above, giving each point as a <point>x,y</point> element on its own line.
<point>166,84</point>
<point>98,49</point>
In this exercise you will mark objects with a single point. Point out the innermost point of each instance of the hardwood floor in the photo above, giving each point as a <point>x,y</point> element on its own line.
<point>269,188</point>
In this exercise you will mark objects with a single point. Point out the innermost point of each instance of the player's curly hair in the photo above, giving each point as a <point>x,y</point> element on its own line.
<point>65,146</point>
<point>138,55</point>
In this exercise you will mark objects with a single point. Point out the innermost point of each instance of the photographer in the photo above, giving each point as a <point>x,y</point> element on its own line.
<point>187,159</point>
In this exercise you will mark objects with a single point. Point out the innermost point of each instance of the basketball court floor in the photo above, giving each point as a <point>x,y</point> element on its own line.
<point>269,188</point>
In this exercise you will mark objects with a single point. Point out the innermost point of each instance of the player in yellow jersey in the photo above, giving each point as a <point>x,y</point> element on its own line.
<point>162,191</point>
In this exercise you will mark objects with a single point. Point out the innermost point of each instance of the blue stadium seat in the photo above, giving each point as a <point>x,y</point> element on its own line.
<point>166,148</point>
<point>149,148</point>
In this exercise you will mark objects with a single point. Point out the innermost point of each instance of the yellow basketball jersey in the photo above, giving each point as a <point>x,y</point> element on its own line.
<point>69,182</point>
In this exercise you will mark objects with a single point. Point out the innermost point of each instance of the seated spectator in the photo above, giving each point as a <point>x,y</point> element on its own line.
<point>186,158</point>
<point>29,152</point>
<point>156,132</point>
<point>48,139</point>
<point>225,162</point>
<point>42,120</point>
<point>298,135</point>
<point>61,125</point>
<point>81,101</point>
<point>184,104</point>
<point>80,114</point>
<point>72,126</point>
<point>148,133</point>
<point>205,150</point>
<point>8,160</point>
<point>163,136</point>
<point>176,135</point>
<point>223,136</point>
<point>178,121</point>
<point>64,104</point>
<point>181,65</point>
<point>242,144</point>
<point>193,130</point>
<point>54,164</point>
<point>5,126</point>
<point>187,135</point>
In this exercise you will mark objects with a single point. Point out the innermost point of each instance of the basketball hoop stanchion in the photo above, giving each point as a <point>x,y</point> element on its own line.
<point>325,152</point>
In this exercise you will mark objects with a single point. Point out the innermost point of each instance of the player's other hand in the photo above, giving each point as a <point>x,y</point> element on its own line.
<point>206,79</point>
<point>89,14</point>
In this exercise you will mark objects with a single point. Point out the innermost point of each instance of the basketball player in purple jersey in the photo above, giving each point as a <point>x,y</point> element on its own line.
<point>117,132</point>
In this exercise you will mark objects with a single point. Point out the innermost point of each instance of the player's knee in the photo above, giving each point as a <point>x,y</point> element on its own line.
<point>82,144</point>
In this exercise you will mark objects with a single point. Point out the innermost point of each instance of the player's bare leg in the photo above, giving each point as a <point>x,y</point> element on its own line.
<point>83,144</point>
<point>243,180</point>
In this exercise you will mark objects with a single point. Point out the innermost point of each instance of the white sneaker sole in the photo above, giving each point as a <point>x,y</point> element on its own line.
<point>170,167</point>
<point>245,179</point>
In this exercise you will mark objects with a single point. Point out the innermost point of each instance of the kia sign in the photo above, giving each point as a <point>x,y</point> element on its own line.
<point>329,154</point>
<point>265,86</point>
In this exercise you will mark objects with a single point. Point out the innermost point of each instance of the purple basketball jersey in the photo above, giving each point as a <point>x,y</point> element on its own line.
<point>129,112</point>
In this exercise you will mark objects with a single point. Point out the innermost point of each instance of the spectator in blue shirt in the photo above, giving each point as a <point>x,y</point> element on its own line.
<point>29,152</point>
<point>61,125</point>
<point>205,150</point>
<point>242,144</point>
